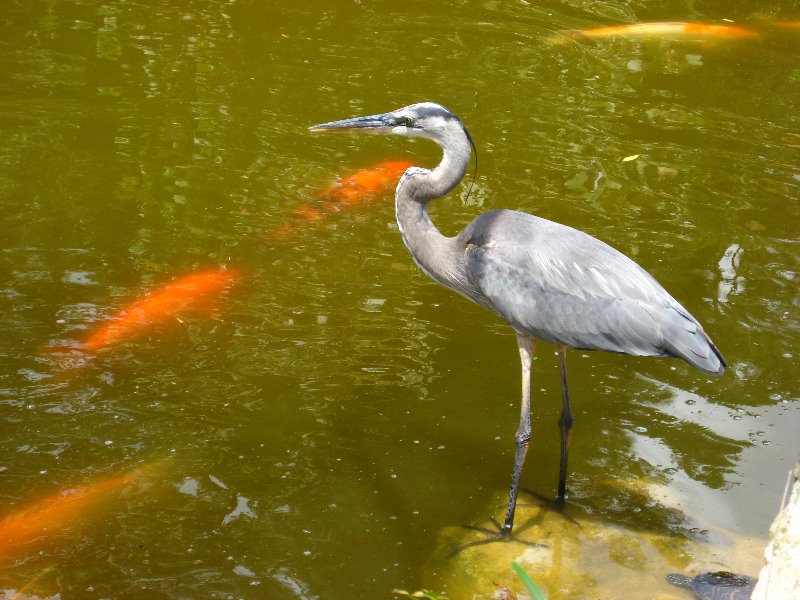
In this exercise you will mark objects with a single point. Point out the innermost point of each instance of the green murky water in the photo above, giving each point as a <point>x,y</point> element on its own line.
<point>313,435</point>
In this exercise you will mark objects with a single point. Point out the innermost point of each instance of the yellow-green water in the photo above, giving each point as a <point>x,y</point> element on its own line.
<point>340,410</point>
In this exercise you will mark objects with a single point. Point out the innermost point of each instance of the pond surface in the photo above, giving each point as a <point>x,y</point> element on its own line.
<point>312,428</point>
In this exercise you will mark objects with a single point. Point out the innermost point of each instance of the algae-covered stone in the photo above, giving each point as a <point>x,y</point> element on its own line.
<point>589,550</point>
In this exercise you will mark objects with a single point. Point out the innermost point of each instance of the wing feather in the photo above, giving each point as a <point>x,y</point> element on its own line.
<point>564,286</point>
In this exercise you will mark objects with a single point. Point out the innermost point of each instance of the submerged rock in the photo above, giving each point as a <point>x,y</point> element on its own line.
<point>719,585</point>
<point>619,540</point>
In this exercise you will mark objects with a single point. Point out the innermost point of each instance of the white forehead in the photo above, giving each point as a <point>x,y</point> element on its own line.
<point>426,110</point>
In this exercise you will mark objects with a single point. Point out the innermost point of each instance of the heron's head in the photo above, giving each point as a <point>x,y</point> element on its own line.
<point>426,119</point>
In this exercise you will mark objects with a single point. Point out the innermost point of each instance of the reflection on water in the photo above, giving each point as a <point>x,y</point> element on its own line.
<point>338,411</point>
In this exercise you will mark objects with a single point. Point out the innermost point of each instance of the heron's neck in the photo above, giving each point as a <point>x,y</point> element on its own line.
<point>436,254</point>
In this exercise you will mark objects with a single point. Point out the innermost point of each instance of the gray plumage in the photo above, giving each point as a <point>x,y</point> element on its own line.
<point>566,287</point>
<point>548,281</point>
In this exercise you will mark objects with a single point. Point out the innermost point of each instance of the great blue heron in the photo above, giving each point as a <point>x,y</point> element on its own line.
<point>548,281</point>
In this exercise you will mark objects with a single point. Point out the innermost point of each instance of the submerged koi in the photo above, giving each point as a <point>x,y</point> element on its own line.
<point>366,183</point>
<point>676,30</point>
<point>57,512</point>
<point>160,305</point>
<point>363,185</point>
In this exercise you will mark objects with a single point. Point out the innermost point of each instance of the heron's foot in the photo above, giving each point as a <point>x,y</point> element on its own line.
<point>500,534</point>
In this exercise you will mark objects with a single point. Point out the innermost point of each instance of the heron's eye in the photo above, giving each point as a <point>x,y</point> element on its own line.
<point>402,122</point>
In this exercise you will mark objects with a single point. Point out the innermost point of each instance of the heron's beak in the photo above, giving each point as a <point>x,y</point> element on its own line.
<point>373,124</point>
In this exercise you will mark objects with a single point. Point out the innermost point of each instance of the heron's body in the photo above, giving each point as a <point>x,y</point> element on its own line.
<point>548,281</point>
<point>560,285</point>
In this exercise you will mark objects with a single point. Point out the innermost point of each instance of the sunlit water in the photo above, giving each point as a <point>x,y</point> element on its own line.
<point>313,434</point>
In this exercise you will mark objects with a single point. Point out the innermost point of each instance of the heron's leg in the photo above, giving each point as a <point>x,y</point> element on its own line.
<point>527,347</point>
<point>564,424</point>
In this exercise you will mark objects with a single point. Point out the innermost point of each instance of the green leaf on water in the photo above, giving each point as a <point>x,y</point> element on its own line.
<point>530,585</point>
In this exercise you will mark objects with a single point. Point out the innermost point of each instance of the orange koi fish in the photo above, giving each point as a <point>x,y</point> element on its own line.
<point>360,186</point>
<point>365,183</point>
<point>56,513</point>
<point>161,305</point>
<point>672,30</point>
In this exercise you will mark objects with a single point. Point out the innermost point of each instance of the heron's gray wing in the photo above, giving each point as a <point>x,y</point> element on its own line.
<point>564,286</point>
